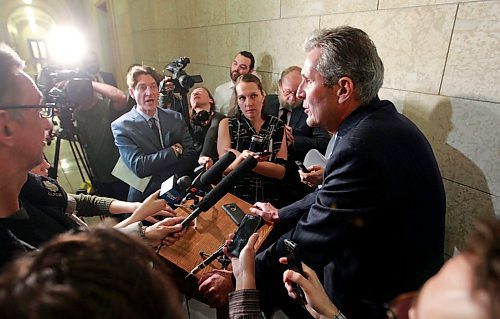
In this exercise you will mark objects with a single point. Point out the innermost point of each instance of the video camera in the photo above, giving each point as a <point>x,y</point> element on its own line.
<point>182,81</point>
<point>77,89</point>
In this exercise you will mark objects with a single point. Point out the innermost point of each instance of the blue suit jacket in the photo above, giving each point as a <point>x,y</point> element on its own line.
<point>378,220</point>
<point>305,137</point>
<point>142,152</point>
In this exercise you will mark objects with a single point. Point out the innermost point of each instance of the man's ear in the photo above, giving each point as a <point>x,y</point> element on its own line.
<point>131,92</point>
<point>5,128</point>
<point>346,89</point>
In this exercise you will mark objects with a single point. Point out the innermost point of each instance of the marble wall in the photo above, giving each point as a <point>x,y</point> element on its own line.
<point>441,60</point>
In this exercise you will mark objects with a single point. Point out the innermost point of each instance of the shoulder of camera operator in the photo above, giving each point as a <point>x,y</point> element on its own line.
<point>118,97</point>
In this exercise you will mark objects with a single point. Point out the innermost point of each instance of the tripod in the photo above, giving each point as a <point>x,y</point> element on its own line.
<point>69,132</point>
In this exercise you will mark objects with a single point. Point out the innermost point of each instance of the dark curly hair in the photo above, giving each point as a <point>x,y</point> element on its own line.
<point>97,274</point>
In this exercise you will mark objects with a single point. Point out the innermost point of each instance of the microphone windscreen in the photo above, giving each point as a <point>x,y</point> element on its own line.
<point>227,182</point>
<point>184,182</point>
<point>214,173</point>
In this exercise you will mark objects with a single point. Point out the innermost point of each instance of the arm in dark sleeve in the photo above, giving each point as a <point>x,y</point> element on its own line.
<point>317,139</point>
<point>291,214</point>
<point>341,209</point>
<point>210,142</point>
<point>189,158</point>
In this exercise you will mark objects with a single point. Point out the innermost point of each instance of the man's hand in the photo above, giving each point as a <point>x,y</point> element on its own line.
<point>244,266</point>
<point>318,303</point>
<point>265,210</point>
<point>166,85</point>
<point>289,135</point>
<point>314,177</point>
<point>215,287</point>
<point>178,149</point>
<point>167,231</point>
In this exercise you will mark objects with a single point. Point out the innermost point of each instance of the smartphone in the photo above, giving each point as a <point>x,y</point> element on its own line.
<point>234,211</point>
<point>294,263</point>
<point>249,225</point>
<point>265,153</point>
<point>302,167</point>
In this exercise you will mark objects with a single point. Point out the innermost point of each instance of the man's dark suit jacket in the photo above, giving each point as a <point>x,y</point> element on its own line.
<point>305,137</point>
<point>142,152</point>
<point>378,220</point>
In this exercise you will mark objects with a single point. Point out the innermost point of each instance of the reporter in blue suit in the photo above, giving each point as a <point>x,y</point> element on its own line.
<point>152,141</point>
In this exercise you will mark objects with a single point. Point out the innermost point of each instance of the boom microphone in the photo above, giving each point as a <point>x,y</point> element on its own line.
<point>222,188</point>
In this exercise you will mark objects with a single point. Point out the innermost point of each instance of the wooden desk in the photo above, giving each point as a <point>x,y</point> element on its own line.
<point>213,228</point>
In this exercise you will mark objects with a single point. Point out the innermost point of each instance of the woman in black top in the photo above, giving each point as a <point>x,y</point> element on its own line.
<point>236,135</point>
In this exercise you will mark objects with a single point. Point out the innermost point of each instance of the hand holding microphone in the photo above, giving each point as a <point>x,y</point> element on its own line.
<point>212,176</point>
<point>222,188</point>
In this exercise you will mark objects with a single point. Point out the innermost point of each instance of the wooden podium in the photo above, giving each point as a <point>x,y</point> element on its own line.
<point>211,230</point>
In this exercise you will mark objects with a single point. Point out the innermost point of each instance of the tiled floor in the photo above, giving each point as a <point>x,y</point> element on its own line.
<point>70,179</point>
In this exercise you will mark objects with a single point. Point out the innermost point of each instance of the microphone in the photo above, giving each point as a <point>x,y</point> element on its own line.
<point>219,252</point>
<point>212,176</point>
<point>221,189</point>
<point>173,189</point>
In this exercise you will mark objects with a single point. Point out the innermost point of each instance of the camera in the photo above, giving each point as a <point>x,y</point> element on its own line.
<point>182,81</point>
<point>202,118</point>
<point>77,89</point>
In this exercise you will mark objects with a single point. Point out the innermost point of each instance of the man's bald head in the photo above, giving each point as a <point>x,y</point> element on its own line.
<point>10,64</point>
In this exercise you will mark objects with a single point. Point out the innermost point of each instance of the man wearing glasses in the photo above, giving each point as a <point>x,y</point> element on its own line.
<point>23,125</point>
<point>28,220</point>
<point>300,137</point>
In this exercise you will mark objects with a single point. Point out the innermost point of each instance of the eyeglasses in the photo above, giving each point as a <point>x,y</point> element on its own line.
<point>287,92</point>
<point>46,110</point>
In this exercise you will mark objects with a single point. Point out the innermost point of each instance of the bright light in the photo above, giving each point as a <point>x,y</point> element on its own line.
<point>66,45</point>
<point>64,163</point>
<point>28,1</point>
<point>31,19</point>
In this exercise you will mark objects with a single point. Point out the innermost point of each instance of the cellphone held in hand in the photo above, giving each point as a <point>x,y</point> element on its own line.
<point>302,167</point>
<point>235,212</point>
<point>249,225</point>
<point>294,263</point>
<point>266,153</point>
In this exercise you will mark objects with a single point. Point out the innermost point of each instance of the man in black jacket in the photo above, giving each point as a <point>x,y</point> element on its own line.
<point>378,219</point>
<point>300,137</point>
